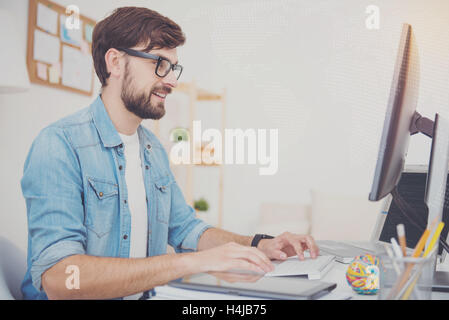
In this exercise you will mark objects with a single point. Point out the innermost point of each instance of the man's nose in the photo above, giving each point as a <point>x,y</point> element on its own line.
<point>171,80</point>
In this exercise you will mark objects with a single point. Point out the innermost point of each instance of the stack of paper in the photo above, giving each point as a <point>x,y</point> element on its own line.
<point>171,293</point>
<point>314,269</point>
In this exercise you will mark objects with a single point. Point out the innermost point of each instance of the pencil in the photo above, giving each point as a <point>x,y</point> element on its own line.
<point>401,236</point>
<point>435,237</point>
<point>416,253</point>
<point>407,290</point>
<point>422,241</point>
<point>391,256</point>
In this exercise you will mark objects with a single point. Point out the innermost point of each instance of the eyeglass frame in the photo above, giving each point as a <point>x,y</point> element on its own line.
<point>145,55</point>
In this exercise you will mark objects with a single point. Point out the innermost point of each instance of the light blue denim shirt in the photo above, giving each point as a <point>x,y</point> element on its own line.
<point>76,196</point>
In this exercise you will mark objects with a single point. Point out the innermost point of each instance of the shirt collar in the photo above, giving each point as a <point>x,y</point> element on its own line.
<point>109,135</point>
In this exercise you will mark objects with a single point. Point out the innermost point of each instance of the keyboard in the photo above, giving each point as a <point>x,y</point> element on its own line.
<point>314,269</point>
<point>346,251</point>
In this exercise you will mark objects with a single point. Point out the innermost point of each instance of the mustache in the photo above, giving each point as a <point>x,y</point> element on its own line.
<point>164,89</point>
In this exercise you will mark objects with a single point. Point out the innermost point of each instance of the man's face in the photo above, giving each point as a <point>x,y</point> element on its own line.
<point>143,92</point>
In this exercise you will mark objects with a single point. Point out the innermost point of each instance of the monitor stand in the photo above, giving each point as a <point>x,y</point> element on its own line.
<point>436,190</point>
<point>441,281</point>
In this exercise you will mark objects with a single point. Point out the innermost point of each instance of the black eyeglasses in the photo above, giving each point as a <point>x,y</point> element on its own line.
<point>163,66</point>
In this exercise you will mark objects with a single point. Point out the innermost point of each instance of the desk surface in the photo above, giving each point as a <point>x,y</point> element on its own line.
<point>337,274</point>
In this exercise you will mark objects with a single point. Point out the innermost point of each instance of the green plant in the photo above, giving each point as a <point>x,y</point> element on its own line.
<point>179,134</point>
<point>201,205</point>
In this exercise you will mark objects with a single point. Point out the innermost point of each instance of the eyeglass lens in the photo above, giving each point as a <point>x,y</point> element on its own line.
<point>164,68</point>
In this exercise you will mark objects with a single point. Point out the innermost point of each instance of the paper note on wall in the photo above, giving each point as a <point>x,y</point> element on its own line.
<point>47,19</point>
<point>88,30</point>
<point>57,65</point>
<point>41,70</point>
<point>71,34</point>
<point>46,47</point>
<point>54,73</point>
<point>76,69</point>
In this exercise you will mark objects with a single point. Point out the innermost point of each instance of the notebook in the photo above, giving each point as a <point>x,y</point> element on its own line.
<point>314,269</point>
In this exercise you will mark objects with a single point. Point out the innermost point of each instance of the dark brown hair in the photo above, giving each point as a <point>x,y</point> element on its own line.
<point>127,27</point>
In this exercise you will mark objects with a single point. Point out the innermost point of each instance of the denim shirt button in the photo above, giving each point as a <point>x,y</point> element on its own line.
<point>100,194</point>
<point>125,201</point>
<point>147,167</point>
<point>148,147</point>
<point>120,167</point>
<point>125,237</point>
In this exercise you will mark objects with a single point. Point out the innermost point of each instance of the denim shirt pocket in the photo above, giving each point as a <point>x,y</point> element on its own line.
<point>163,198</point>
<point>102,206</point>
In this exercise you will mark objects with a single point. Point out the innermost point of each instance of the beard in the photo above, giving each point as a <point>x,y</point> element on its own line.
<point>139,103</point>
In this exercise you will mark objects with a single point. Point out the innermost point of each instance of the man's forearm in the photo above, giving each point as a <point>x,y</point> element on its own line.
<point>107,278</point>
<point>214,237</point>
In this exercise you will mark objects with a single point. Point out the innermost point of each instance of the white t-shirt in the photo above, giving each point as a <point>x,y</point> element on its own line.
<point>136,200</point>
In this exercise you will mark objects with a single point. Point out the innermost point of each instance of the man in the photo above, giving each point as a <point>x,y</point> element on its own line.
<point>85,215</point>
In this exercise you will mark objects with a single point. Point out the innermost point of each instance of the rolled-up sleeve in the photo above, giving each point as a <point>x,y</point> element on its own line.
<point>185,229</point>
<point>52,187</point>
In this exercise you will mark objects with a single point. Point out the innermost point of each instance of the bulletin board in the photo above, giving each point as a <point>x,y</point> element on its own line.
<point>59,49</point>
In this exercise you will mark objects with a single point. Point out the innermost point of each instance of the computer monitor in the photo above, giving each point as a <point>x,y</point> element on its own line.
<point>398,118</point>
<point>401,121</point>
<point>436,190</point>
<point>413,188</point>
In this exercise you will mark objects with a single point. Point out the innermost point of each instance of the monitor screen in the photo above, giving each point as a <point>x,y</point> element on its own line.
<point>398,118</point>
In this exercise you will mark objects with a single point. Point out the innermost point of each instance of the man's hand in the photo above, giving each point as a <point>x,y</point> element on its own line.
<point>287,245</point>
<point>233,256</point>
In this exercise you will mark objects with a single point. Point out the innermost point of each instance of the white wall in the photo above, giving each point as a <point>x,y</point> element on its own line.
<point>308,67</point>
<point>313,70</point>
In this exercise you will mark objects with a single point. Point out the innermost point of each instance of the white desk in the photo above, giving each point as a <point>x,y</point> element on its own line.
<point>338,275</point>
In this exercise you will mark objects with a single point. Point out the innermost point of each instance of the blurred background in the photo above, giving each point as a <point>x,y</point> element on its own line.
<point>310,68</point>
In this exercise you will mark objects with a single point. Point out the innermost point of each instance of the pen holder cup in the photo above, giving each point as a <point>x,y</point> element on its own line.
<point>407,278</point>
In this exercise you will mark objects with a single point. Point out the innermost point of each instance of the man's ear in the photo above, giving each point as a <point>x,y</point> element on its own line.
<point>114,64</point>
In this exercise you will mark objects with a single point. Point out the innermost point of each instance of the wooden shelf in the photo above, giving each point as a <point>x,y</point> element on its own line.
<point>201,94</point>
<point>208,96</point>
<point>183,87</point>
<point>195,95</point>
<point>207,165</point>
